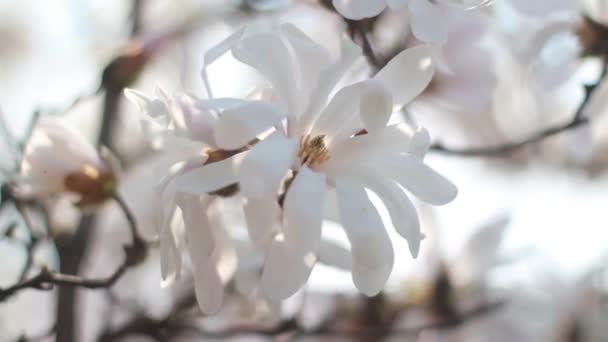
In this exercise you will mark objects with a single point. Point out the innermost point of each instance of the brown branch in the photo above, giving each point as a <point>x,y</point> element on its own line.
<point>578,119</point>
<point>135,252</point>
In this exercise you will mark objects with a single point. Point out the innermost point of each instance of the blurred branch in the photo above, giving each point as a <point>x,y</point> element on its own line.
<point>578,119</point>
<point>135,252</point>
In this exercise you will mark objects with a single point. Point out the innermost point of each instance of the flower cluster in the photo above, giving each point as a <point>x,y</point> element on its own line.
<point>288,146</point>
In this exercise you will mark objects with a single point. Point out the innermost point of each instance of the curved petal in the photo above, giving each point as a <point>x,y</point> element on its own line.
<point>238,126</point>
<point>268,53</point>
<point>208,178</point>
<point>376,105</point>
<point>359,9</point>
<point>200,243</point>
<point>303,211</point>
<point>312,59</point>
<point>428,22</point>
<point>285,272</point>
<point>407,74</point>
<point>262,217</point>
<point>170,259</point>
<point>265,165</point>
<point>332,254</point>
<point>424,182</point>
<point>349,54</point>
<point>371,248</point>
<point>400,208</point>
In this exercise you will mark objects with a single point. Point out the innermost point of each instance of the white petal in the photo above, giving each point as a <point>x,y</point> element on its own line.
<point>350,53</point>
<point>362,149</point>
<point>407,74</point>
<point>216,52</point>
<point>207,283</point>
<point>428,22</point>
<point>359,9</point>
<point>401,210</point>
<point>541,8</point>
<point>264,167</point>
<point>267,53</point>
<point>376,106</point>
<point>262,217</point>
<point>312,59</point>
<point>208,178</point>
<point>371,248</point>
<point>170,259</point>
<point>424,182</point>
<point>238,126</point>
<point>331,254</point>
<point>285,272</point>
<point>303,211</point>
<point>152,107</point>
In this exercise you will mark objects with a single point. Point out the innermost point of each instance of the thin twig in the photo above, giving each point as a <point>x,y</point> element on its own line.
<point>134,254</point>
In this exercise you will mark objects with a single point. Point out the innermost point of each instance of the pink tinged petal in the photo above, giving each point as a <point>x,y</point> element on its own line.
<point>376,106</point>
<point>265,165</point>
<point>407,74</point>
<point>262,217</point>
<point>349,54</point>
<point>400,208</point>
<point>428,21</point>
<point>303,211</point>
<point>422,181</point>
<point>200,243</point>
<point>285,272</point>
<point>267,53</point>
<point>238,126</point>
<point>359,9</point>
<point>371,248</point>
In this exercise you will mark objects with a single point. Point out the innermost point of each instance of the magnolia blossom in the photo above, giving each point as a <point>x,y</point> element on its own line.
<point>427,18</point>
<point>59,160</point>
<point>300,138</point>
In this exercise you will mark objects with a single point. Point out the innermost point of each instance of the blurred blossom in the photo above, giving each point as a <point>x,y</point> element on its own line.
<point>267,5</point>
<point>427,18</point>
<point>58,159</point>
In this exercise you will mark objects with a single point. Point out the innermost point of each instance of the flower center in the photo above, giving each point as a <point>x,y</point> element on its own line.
<point>313,150</point>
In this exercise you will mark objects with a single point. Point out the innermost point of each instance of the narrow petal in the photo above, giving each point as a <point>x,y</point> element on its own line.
<point>331,254</point>
<point>407,74</point>
<point>371,248</point>
<point>303,211</point>
<point>349,54</point>
<point>268,53</point>
<point>200,242</point>
<point>424,182</point>
<point>285,272</point>
<point>376,106</point>
<point>359,9</point>
<point>170,260</point>
<point>400,208</point>
<point>264,167</point>
<point>428,22</point>
<point>262,217</point>
<point>311,57</point>
<point>208,178</point>
<point>238,126</point>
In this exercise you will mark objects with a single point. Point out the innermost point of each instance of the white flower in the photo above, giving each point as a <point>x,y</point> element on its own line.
<point>310,141</point>
<point>59,160</point>
<point>427,17</point>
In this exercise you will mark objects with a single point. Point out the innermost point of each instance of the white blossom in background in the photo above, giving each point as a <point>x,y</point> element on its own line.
<point>59,160</point>
<point>542,7</point>
<point>268,5</point>
<point>312,139</point>
<point>427,18</point>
